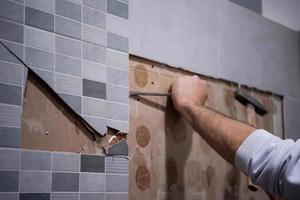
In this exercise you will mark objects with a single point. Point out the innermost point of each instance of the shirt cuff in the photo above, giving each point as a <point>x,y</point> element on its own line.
<point>251,146</point>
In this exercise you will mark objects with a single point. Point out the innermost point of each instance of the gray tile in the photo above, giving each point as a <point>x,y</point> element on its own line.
<point>5,55</point>
<point>92,163</point>
<point>116,196</point>
<point>117,111</point>
<point>117,25</point>
<point>98,123</point>
<point>93,34</point>
<point>119,125</point>
<point>68,9</point>
<point>39,39</point>
<point>116,165</point>
<point>45,5</point>
<point>94,71</point>
<point>92,196</point>
<point>117,8</point>
<point>97,4</point>
<point>11,10</point>
<point>10,94</point>
<point>36,160</point>
<point>117,59</point>
<point>93,89</point>
<point>77,1</point>
<point>117,42</point>
<point>34,196</point>
<point>92,182</point>
<point>9,196</point>
<point>68,46</point>
<point>67,65</point>
<point>10,115</point>
<point>39,19</point>
<point>64,196</point>
<point>291,122</point>
<point>47,76</point>
<point>9,181</point>
<point>93,52</point>
<point>11,31</point>
<point>116,183</point>
<point>73,101</point>
<point>93,17</point>
<point>117,77</point>
<point>67,27</point>
<point>124,1</point>
<point>65,182</point>
<point>39,58</point>
<point>254,5</point>
<point>35,181</point>
<point>68,162</point>
<point>10,137</point>
<point>117,93</point>
<point>20,1</point>
<point>120,148</point>
<point>94,107</point>
<point>10,159</point>
<point>68,84</point>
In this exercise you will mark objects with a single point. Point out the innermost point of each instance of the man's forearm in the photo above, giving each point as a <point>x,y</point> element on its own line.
<point>222,133</point>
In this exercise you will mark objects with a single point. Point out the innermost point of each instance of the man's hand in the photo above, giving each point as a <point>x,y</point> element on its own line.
<point>188,93</point>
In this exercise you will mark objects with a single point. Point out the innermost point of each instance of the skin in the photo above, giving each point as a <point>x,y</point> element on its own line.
<point>222,133</point>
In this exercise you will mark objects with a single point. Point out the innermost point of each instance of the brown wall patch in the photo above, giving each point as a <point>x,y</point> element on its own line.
<point>142,136</point>
<point>142,178</point>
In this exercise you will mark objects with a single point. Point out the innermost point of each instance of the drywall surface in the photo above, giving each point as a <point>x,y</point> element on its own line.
<point>217,38</point>
<point>285,12</point>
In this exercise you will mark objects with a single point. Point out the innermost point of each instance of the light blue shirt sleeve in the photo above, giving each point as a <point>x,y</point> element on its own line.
<point>272,163</point>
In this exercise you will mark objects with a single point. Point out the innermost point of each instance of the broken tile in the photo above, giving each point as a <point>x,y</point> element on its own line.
<point>11,31</point>
<point>36,160</point>
<point>67,162</point>
<point>11,73</point>
<point>68,84</point>
<point>10,94</point>
<point>10,137</point>
<point>97,4</point>
<point>93,34</point>
<point>68,46</point>
<point>117,59</point>
<point>116,165</point>
<point>39,58</point>
<point>9,196</point>
<point>47,76</point>
<point>93,52</point>
<point>120,125</point>
<point>92,163</point>
<point>39,38</point>
<point>116,196</point>
<point>117,93</point>
<point>45,5</point>
<point>98,123</point>
<point>9,181</point>
<point>73,101</point>
<point>10,115</point>
<point>12,11</point>
<point>5,55</point>
<point>94,71</point>
<point>116,183</point>
<point>93,89</point>
<point>39,19</point>
<point>120,148</point>
<point>92,182</point>
<point>67,65</point>
<point>117,8</point>
<point>34,196</point>
<point>68,9</point>
<point>67,27</point>
<point>94,107</point>
<point>10,159</point>
<point>65,182</point>
<point>92,196</point>
<point>117,111</point>
<point>64,196</point>
<point>93,17</point>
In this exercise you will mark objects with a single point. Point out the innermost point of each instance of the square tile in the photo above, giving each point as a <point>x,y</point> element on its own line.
<point>68,9</point>
<point>117,93</point>
<point>67,27</point>
<point>39,38</point>
<point>12,11</point>
<point>116,183</point>
<point>98,123</point>
<point>10,94</point>
<point>92,182</point>
<point>10,137</point>
<point>11,73</point>
<point>34,196</point>
<point>117,76</point>
<point>94,71</point>
<point>11,31</point>
<point>92,163</point>
<point>45,5</point>
<point>68,46</point>
<point>64,196</point>
<point>9,181</point>
<point>9,196</point>
<point>5,55</point>
<point>36,160</point>
<point>67,65</point>
<point>117,25</point>
<point>47,76</point>
<point>68,84</point>
<point>92,196</point>
<point>39,19</point>
<point>93,89</point>
<point>94,107</point>
<point>116,165</point>
<point>117,42</point>
<point>10,159</point>
<point>67,162</point>
<point>117,111</point>
<point>116,196</point>
<point>120,148</point>
<point>10,115</point>
<point>39,58</point>
<point>93,17</point>
<point>117,8</point>
<point>117,59</point>
<point>93,52</point>
<point>73,101</point>
<point>119,125</point>
<point>65,182</point>
<point>97,4</point>
<point>35,181</point>
<point>93,34</point>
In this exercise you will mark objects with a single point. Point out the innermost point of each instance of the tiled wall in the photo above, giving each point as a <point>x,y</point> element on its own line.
<point>44,175</point>
<point>79,47</point>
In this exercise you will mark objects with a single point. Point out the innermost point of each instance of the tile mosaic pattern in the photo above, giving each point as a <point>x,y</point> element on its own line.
<point>79,47</point>
<point>33,174</point>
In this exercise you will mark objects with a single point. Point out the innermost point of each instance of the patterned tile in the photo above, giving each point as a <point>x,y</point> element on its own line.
<point>35,181</point>
<point>10,159</point>
<point>117,111</point>
<point>117,77</point>
<point>36,160</point>
<point>39,58</point>
<point>11,31</point>
<point>97,4</point>
<point>65,182</point>
<point>116,183</point>
<point>92,163</point>
<point>47,76</point>
<point>68,9</point>
<point>11,73</point>
<point>117,42</point>
<point>39,38</point>
<point>93,34</point>
<point>73,101</point>
<point>68,84</point>
<point>119,125</point>
<point>93,17</point>
<point>92,182</point>
<point>94,107</point>
<point>10,115</point>
<point>94,71</point>
<point>68,162</point>
<point>116,165</point>
<point>10,137</point>
<point>67,27</point>
<point>12,11</point>
<point>34,196</point>
<point>9,181</point>
<point>117,93</point>
<point>98,123</point>
<point>9,196</point>
<point>67,46</point>
<point>67,65</point>
<point>117,25</point>
<point>5,55</point>
<point>116,196</point>
<point>45,5</point>
<point>93,89</point>
<point>117,59</point>
<point>39,19</point>
<point>92,196</point>
<point>64,196</point>
<point>93,52</point>
<point>10,94</point>
<point>117,8</point>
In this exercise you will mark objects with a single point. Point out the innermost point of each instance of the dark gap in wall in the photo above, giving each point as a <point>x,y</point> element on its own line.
<point>254,5</point>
